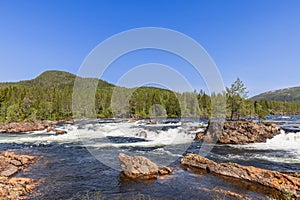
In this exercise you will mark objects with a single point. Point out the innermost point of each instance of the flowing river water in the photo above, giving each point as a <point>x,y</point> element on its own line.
<point>83,164</point>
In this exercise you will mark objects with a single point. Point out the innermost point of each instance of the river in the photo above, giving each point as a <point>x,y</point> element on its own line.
<point>84,163</point>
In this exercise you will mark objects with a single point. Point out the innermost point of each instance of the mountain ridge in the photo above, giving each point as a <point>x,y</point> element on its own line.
<point>52,78</point>
<point>290,94</point>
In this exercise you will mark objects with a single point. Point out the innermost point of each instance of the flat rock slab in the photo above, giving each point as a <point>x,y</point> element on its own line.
<point>273,179</point>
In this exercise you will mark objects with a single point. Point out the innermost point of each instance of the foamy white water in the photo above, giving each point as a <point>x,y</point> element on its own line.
<point>287,144</point>
<point>153,135</point>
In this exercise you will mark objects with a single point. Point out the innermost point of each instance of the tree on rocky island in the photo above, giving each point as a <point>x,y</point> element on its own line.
<point>236,96</point>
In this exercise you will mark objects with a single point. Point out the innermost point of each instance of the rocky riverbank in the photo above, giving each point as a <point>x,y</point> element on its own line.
<point>287,184</point>
<point>30,126</point>
<point>12,188</point>
<point>239,132</point>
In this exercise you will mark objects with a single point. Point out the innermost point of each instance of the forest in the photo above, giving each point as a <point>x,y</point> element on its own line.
<point>49,97</point>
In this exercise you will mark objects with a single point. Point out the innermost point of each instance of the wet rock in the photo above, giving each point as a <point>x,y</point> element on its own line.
<point>138,167</point>
<point>14,188</point>
<point>11,163</point>
<point>239,132</point>
<point>9,170</point>
<point>230,193</point>
<point>49,129</point>
<point>165,170</point>
<point>272,179</point>
<point>60,132</point>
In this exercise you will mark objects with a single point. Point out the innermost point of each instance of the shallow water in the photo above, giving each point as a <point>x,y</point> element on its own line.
<point>84,162</point>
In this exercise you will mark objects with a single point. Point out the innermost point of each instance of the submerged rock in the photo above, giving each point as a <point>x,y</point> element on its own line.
<point>240,132</point>
<point>279,181</point>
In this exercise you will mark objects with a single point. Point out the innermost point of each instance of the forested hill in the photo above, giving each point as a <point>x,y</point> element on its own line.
<point>50,95</point>
<point>50,79</point>
<point>286,95</point>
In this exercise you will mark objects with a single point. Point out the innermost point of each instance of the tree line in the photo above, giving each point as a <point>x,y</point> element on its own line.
<point>19,103</point>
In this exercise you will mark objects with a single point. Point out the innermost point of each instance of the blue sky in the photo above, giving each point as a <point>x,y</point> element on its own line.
<point>256,40</point>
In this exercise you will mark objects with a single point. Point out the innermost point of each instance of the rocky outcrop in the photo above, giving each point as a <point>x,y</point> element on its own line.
<point>18,127</point>
<point>16,187</point>
<point>139,167</point>
<point>240,132</point>
<point>279,181</point>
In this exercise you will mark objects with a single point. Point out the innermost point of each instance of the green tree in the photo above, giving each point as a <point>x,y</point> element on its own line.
<point>259,111</point>
<point>236,95</point>
<point>13,113</point>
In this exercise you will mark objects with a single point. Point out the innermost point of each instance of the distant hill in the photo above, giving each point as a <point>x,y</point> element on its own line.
<point>287,94</point>
<point>52,78</point>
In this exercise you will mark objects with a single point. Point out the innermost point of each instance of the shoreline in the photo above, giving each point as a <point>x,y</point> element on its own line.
<point>30,126</point>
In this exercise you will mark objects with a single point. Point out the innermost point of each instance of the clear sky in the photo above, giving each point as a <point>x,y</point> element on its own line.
<point>256,40</point>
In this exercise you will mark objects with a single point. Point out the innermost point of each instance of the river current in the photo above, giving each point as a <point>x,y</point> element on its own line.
<point>83,164</point>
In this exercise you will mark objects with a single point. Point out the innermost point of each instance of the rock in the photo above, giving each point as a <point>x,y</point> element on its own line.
<point>272,179</point>
<point>200,136</point>
<point>165,170</point>
<point>49,129</point>
<point>142,134</point>
<point>9,170</point>
<point>28,127</point>
<point>152,122</point>
<point>60,132</point>
<point>14,188</point>
<point>230,193</point>
<point>137,167</point>
<point>240,132</point>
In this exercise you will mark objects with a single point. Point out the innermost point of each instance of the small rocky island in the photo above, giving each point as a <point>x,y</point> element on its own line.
<point>239,132</point>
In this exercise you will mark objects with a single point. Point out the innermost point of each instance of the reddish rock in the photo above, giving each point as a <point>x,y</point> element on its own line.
<point>19,127</point>
<point>60,132</point>
<point>137,167</point>
<point>49,129</point>
<point>165,170</point>
<point>14,188</point>
<point>239,132</point>
<point>272,179</point>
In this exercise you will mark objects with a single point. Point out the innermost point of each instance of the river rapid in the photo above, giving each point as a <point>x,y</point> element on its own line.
<point>84,162</point>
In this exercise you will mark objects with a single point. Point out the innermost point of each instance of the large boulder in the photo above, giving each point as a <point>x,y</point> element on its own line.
<point>279,181</point>
<point>138,167</point>
<point>239,132</point>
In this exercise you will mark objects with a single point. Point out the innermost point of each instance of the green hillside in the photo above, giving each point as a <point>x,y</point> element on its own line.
<point>49,96</point>
<point>286,95</point>
<point>51,79</point>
